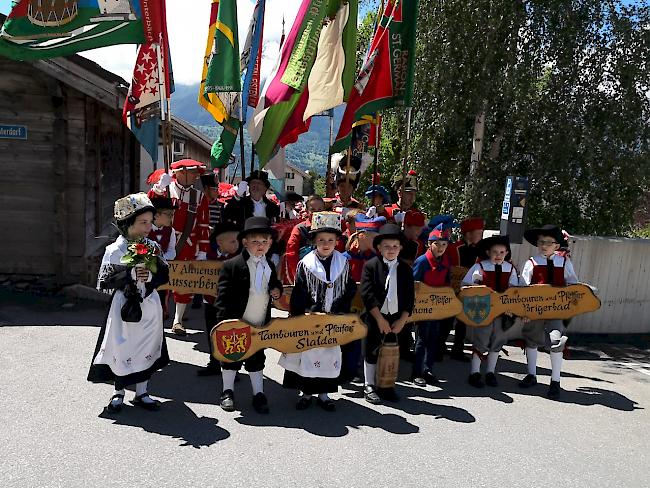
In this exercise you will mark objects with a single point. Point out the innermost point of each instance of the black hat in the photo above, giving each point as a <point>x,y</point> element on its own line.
<point>263,176</point>
<point>389,231</point>
<point>484,245</point>
<point>222,228</point>
<point>163,203</point>
<point>292,196</point>
<point>532,235</point>
<point>258,225</point>
<point>209,180</point>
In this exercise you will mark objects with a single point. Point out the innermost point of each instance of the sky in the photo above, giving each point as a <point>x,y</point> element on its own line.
<point>188,30</point>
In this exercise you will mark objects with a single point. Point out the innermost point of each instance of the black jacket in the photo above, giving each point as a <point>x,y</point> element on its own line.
<point>237,211</point>
<point>234,286</point>
<point>373,282</point>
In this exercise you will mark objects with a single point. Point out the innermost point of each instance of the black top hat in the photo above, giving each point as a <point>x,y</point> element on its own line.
<point>389,231</point>
<point>292,196</point>
<point>163,203</point>
<point>209,180</point>
<point>258,225</point>
<point>484,245</point>
<point>222,228</point>
<point>532,235</point>
<point>263,176</point>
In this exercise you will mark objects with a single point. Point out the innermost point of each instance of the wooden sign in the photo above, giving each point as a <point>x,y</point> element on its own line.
<point>457,275</point>
<point>434,303</point>
<point>190,277</point>
<point>481,305</point>
<point>234,340</point>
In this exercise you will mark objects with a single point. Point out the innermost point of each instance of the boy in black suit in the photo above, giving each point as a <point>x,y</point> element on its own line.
<point>246,285</point>
<point>388,293</point>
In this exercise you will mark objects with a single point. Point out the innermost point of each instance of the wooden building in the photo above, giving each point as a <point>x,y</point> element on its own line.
<point>66,157</point>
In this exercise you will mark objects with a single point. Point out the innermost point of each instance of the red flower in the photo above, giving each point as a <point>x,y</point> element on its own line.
<point>141,249</point>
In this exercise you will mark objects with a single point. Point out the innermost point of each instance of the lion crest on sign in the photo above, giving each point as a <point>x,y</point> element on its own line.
<point>233,344</point>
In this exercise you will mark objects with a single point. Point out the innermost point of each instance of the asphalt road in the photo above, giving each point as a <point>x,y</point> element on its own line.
<point>54,432</point>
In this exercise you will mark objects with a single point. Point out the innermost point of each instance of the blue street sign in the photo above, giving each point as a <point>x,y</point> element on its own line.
<point>13,132</point>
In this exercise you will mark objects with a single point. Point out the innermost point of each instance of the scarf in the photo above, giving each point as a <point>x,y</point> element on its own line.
<point>391,305</point>
<point>316,274</point>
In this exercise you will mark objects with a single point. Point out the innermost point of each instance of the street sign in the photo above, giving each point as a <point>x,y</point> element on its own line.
<point>513,211</point>
<point>13,132</point>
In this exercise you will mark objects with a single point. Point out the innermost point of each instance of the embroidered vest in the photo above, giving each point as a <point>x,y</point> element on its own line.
<point>500,284</point>
<point>542,275</point>
<point>162,236</point>
<point>437,275</point>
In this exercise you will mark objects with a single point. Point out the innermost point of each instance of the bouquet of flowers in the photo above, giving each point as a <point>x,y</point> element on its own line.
<point>141,254</point>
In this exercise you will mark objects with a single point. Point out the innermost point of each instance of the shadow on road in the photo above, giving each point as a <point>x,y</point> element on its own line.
<point>176,420</point>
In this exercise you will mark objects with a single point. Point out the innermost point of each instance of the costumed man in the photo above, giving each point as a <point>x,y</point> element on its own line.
<point>291,206</point>
<point>405,200</point>
<point>348,175</point>
<point>548,267</point>
<point>242,206</point>
<point>462,253</point>
<point>191,224</point>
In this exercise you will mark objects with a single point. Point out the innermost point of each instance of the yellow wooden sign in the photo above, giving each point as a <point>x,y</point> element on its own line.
<point>190,277</point>
<point>481,305</point>
<point>434,303</point>
<point>457,275</point>
<point>235,340</point>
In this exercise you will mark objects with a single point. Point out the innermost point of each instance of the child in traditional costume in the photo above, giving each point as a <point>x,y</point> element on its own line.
<point>433,268</point>
<point>323,284</point>
<point>550,268</point>
<point>224,245</point>
<point>388,293</point>
<point>163,233</point>
<point>247,283</point>
<point>131,344</point>
<point>497,273</point>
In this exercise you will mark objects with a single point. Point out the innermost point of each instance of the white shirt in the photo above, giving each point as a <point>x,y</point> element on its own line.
<point>558,261</point>
<point>255,313</point>
<point>391,304</point>
<point>259,208</point>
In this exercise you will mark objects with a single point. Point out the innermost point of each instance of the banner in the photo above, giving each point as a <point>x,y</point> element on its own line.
<point>251,59</point>
<point>192,277</point>
<point>234,340</point>
<point>40,29</point>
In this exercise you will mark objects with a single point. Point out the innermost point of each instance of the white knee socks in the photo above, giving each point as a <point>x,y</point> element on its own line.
<point>257,382</point>
<point>475,366</point>
<point>228,378</point>
<point>180,310</point>
<point>118,401</point>
<point>556,365</point>
<point>141,389</point>
<point>369,371</point>
<point>492,359</point>
<point>531,360</point>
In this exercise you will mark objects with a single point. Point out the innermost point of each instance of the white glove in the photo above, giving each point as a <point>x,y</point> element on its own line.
<point>371,213</point>
<point>399,217</point>
<point>164,182</point>
<point>201,256</point>
<point>242,188</point>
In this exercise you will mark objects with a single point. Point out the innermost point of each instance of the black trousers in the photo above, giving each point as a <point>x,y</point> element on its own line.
<point>252,364</point>
<point>375,337</point>
<point>459,337</point>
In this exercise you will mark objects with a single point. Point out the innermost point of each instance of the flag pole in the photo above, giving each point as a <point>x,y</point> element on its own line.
<point>375,162</point>
<point>252,156</point>
<point>241,139</point>
<point>328,174</point>
<point>409,111</point>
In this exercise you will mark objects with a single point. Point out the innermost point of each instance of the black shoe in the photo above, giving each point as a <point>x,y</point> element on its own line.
<point>459,356</point>
<point>304,403</point>
<point>554,390</point>
<point>388,394</point>
<point>327,405</point>
<point>228,401</point>
<point>151,406</point>
<point>419,381</point>
<point>211,369</point>
<point>491,379</point>
<point>529,381</point>
<point>260,403</point>
<point>370,394</point>
<point>431,379</point>
<point>115,408</point>
<point>475,380</point>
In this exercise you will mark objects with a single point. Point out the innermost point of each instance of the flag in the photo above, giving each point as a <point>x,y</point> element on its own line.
<point>220,155</point>
<point>315,72</point>
<point>386,79</point>
<point>39,29</point>
<point>251,59</point>
<point>152,82</point>
<point>221,78</point>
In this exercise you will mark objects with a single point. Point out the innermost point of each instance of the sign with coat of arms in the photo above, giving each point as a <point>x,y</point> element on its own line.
<point>481,305</point>
<point>235,340</point>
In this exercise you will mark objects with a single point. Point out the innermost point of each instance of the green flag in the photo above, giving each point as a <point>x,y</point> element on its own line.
<point>223,68</point>
<point>222,148</point>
